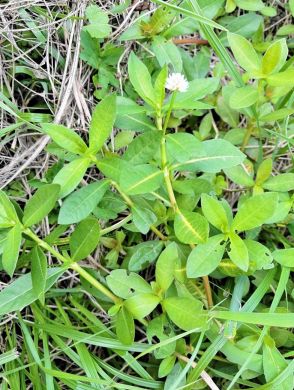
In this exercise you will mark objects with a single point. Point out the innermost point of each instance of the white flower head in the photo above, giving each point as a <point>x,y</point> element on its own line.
<point>177,82</point>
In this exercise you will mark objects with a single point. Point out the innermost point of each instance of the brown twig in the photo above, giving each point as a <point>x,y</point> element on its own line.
<point>190,41</point>
<point>207,378</point>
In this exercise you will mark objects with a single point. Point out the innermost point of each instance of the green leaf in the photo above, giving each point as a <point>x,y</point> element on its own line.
<point>250,5</point>
<point>166,366</point>
<point>7,210</point>
<point>144,254</point>
<point>65,138</point>
<point>125,286</point>
<point>102,123</point>
<point>40,204</point>
<point>259,255</point>
<point>274,364</point>
<point>191,227</point>
<point>141,305</point>
<point>277,115</point>
<point>291,5</point>
<point>182,146</point>
<point>123,139</point>
<point>112,167</point>
<point>167,53</point>
<point>244,52</point>
<point>84,239</point>
<point>214,212</point>
<point>143,148</point>
<point>145,178</point>
<point>285,257</point>
<point>11,249</point>
<point>159,86</point>
<point>131,116</point>
<point>141,79</point>
<point>99,27</point>
<point>264,171</point>
<point>186,313</point>
<point>195,186</point>
<point>82,202</point>
<point>206,257</point>
<point>70,175</point>
<point>38,270</point>
<point>217,154</point>
<point>243,97</point>
<point>275,57</point>
<point>241,174</point>
<point>254,211</point>
<point>198,89</point>
<point>125,327</point>
<point>282,182</point>
<point>20,293</point>
<point>165,266</point>
<point>143,218</point>
<point>238,252</point>
<point>285,78</point>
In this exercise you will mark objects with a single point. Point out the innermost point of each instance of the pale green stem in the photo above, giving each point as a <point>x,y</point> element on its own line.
<point>73,265</point>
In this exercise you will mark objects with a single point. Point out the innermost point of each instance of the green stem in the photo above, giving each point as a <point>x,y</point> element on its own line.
<point>116,225</point>
<point>169,187</point>
<point>73,265</point>
<point>130,203</point>
<point>171,104</point>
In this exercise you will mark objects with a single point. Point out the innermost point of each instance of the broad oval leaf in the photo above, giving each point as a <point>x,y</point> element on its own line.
<point>71,175</point>
<point>82,202</point>
<point>264,170</point>
<point>206,257</point>
<point>198,89</point>
<point>98,27</point>
<point>243,97</point>
<point>125,286</point>
<point>217,154</point>
<point>244,52</point>
<point>102,123</point>
<point>143,148</point>
<point>191,227</point>
<point>165,266</point>
<point>238,252</point>
<point>144,254</point>
<point>182,146</point>
<point>141,305</point>
<point>254,211</point>
<point>260,257</point>
<point>140,179</point>
<point>65,138</point>
<point>275,57</point>
<point>285,257</point>
<point>141,79</point>
<point>40,204</point>
<point>112,167</point>
<point>84,239</point>
<point>215,213</point>
<point>186,313</point>
<point>143,218</point>
<point>282,182</point>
